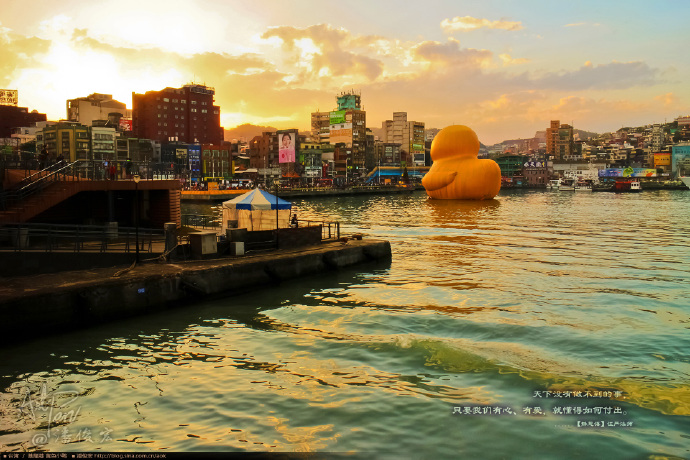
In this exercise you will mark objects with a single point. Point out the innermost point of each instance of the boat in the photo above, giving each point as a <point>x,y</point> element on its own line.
<point>685,180</point>
<point>554,184</point>
<point>627,186</point>
<point>575,185</point>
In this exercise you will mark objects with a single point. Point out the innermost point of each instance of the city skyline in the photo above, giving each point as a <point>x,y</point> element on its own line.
<point>503,69</point>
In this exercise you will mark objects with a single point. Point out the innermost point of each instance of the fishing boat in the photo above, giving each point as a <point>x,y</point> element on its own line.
<point>685,180</point>
<point>627,186</point>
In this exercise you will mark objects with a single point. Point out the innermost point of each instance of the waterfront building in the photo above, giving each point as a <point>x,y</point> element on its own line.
<point>680,160</point>
<point>388,153</point>
<point>184,114</point>
<point>347,126</point>
<point>511,165</point>
<point>578,169</point>
<point>26,134</point>
<point>67,138</point>
<point>310,160</point>
<point>96,106</point>
<point>537,173</point>
<point>559,140</point>
<point>657,140</point>
<point>15,117</point>
<point>138,150</point>
<point>103,145</point>
<point>662,161</point>
<point>216,161</point>
<point>320,126</point>
<point>409,134</point>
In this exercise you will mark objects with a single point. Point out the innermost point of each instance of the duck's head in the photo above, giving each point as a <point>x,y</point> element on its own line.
<point>455,141</point>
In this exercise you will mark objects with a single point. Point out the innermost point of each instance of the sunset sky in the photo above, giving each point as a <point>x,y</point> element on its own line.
<point>504,68</point>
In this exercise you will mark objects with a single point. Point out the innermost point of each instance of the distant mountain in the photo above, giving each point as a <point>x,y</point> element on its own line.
<point>246,131</point>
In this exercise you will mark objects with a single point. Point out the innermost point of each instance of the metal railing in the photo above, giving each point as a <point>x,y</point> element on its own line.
<point>330,231</point>
<point>78,238</point>
<point>201,220</point>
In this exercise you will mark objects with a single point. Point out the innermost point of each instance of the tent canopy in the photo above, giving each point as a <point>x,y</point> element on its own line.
<point>256,210</point>
<point>257,199</point>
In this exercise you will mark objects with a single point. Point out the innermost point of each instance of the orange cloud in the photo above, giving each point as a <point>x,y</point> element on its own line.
<point>468,24</point>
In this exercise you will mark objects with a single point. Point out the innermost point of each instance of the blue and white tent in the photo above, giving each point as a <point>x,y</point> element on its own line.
<point>256,210</point>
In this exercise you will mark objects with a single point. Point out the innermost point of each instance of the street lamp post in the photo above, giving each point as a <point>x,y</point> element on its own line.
<point>136,179</point>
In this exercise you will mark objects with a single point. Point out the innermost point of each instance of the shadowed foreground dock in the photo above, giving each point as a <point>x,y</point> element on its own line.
<point>33,306</point>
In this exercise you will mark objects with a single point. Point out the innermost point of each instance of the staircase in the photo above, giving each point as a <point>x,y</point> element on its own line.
<point>38,193</point>
<point>34,204</point>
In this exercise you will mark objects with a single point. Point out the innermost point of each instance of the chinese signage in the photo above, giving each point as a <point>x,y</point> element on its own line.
<point>180,153</point>
<point>9,97</point>
<point>534,164</point>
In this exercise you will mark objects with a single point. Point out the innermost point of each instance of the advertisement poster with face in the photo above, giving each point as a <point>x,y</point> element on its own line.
<point>286,148</point>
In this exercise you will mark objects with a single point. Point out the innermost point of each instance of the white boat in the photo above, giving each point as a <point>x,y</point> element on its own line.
<point>574,185</point>
<point>554,184</point>
<point>685,180</point>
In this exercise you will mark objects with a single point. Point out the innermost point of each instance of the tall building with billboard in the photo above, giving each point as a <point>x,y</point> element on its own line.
<point>347,126</point>
<point>410,136</point>
<point>184,114</point>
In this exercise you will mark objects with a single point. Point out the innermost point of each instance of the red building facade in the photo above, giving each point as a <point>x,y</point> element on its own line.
<point>17,117</point>
<point>184,114</point>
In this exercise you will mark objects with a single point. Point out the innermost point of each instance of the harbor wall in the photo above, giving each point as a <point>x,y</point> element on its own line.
<point>77,299</point>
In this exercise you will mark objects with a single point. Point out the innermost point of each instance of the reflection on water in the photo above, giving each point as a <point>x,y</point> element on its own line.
<point>487,306</point>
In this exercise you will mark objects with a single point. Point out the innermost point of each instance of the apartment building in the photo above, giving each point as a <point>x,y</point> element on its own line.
<point>184,115</point>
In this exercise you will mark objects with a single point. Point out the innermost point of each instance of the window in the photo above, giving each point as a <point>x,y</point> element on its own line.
<point>165,99</point>
<point>194,110</point>
<point>204,111</point>
<point>193,102</point>
<point>184,101</point>
<point>174,100</point>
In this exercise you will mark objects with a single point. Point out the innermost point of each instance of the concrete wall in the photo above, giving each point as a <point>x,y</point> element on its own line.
<point>78,299</point>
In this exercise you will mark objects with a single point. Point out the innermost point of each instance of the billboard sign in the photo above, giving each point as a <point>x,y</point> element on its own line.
<point>627,172</point>
<point>125,124</point>
<point>180,153</point>
<point>286,147</point>
<point>337,117</point>
<point>9,97</point>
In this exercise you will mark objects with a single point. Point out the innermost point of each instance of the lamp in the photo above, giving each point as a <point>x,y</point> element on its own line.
<point>136,180</point>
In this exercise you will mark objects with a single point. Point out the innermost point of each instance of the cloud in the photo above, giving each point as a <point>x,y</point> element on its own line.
<point>508,60</point>
<point>616,75</point>
<point>668,99</point>
<point>330,56</point>
<point>469,24</point>
<point>17,52</point>
<point>451,54</point>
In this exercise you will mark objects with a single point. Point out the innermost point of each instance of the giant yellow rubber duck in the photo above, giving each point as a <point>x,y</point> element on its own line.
<point>457,173</point>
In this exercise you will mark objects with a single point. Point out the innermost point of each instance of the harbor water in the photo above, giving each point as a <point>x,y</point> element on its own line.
<point>536,325</point>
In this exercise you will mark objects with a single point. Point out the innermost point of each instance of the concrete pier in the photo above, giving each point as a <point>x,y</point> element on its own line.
<point>34,306</point>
